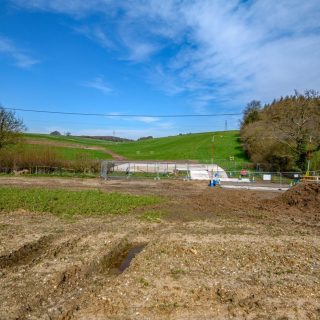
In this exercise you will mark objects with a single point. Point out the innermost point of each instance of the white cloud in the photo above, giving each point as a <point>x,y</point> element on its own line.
<point>232,51</point>
<point>73,7</point>
<point>99,84</point>
<point>147,119</point>
<point>96,33</point>
<point>20,57</point>
<point>143,119</point>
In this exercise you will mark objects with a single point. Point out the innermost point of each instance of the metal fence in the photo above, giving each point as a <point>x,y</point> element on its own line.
<point>187,170</point>
<point>49,170</point>
<point>141,169</point>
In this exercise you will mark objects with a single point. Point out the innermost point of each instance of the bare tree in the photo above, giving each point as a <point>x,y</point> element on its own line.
<point>10,127</point>
<point>294,121</point>
<point>282,132</point>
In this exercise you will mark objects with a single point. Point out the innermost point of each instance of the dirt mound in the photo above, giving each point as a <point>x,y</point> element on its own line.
<point>303,195</point>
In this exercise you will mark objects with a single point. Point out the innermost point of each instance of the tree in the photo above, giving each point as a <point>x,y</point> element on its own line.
<point>280,134</point>
<point>293,121</point>
<point>10,127</point>
<point>55,133</point>
<point>145,138</point>
<point>251,113</point>
<point>68,134</point>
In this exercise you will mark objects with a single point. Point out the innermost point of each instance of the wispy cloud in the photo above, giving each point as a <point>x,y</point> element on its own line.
<point>216,52</point>
<point>97,34</point>
<point>147,119</point>
<point>20,57</point>
<point>144,119</point>
<point>99,84</point>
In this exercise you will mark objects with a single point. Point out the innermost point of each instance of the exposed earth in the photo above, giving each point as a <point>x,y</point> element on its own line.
<point>214,254</point>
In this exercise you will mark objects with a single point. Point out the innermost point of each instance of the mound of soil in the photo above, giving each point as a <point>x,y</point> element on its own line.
<point>303,195</point>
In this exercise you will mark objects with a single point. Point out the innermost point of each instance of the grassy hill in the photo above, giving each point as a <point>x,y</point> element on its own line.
<point>68,153</point>
<point>68,140</point>
<point>195,147</point>
<point>183,147</point>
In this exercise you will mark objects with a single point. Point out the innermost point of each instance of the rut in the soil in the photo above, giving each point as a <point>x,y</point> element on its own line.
<point>110,265</point>
<point>123,261</point>
<point>77,281</point>
<point>26,253</point>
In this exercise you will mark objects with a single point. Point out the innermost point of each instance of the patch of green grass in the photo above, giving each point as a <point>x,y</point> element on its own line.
<point>67,153</point>
<point>71,139</point>
<point>70,203</point>
<point>185,147</point>
<point>152,215</point>
<point>176,273</point>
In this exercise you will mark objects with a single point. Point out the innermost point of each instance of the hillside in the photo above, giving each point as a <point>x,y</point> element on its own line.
<point>183,147</point>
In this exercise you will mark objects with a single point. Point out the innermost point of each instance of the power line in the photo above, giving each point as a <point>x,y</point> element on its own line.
<point>126,115</point>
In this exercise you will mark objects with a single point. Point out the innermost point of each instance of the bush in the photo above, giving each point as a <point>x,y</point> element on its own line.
<point>20,158</point>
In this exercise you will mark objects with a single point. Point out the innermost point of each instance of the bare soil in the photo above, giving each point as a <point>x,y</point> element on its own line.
<point>216,254</point>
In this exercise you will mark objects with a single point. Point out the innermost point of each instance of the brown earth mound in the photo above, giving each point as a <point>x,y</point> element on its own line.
<point>303,195</point>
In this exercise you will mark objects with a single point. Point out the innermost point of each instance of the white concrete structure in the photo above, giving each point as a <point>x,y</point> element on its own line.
<point>259,188</point>
<point>195,171</point>
<point>199,175</point>
<point>247,180</point>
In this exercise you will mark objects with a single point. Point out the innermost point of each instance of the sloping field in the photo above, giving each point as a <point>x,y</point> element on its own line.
<point>67,140</point>
<point>70,153</point>
<point>65,148</point>
<point>35,153</point>
<point>183,147</point>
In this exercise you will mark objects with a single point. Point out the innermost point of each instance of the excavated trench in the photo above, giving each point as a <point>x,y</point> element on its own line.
<point>130,255</point>
<point>120,258</point>
<point>70,280</point>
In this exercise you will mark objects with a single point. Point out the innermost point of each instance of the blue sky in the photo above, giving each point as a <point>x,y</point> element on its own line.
<point>153,57</point>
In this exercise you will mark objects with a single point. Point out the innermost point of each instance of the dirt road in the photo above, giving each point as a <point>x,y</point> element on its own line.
<point>216,254</point>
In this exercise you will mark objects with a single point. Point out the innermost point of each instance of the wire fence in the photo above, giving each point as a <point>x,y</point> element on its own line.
<point>50,171</point>
<point>201,171</point>
<point>183,170</point>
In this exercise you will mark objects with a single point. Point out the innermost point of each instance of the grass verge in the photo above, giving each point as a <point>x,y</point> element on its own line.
<point>70,203</point>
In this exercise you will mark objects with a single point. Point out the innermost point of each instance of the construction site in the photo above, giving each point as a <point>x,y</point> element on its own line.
<point>159,160</point>
<point>200,253</point>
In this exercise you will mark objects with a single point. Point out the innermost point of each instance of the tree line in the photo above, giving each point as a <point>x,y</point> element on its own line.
<point>284,134</point>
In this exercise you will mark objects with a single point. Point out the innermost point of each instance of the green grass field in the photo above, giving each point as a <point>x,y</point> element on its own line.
<point>70,140</point>
<point>66,203</point>
<point>185,147</point>
<point>67,153</point>
<point>61,153</point>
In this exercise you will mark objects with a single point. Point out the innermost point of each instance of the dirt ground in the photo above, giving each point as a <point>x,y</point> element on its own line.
<point>215,254</point>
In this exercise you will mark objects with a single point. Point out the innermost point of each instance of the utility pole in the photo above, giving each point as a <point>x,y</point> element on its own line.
<point>226,125</point>
<point>309,155</point>
<point>212,150</point>
<point>212,157</point>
